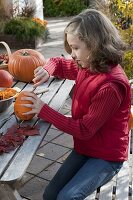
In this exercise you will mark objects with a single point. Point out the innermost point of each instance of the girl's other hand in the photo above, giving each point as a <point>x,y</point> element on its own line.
<point>41,76</point>
<point>36,105</point>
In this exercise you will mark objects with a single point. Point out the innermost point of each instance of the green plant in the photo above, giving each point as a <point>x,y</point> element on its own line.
<point>69,7</point>
<point>128,63</point>
<point>54,8</point>
<point>122,16</point>
<point>24,28</point>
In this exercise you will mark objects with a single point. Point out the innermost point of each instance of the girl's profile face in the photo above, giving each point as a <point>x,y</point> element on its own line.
<point>79,50</point>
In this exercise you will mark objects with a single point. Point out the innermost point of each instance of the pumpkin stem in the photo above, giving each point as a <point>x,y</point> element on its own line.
<point>25,53</point>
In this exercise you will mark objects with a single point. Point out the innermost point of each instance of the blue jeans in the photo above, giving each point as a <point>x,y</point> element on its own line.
<point>79,176</point>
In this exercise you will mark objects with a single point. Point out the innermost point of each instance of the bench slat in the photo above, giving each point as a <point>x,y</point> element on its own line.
<point>106,191</point>
<point>91,197</point>
<point>123,183</point>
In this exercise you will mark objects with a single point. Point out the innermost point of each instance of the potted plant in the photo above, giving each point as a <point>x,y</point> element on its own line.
<point>20,31</point>
<point>23,30</point>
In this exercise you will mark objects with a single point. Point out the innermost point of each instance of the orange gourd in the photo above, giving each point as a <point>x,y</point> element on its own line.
<point>6,79</point>
<point>23,62</point>
<point>20,109</point>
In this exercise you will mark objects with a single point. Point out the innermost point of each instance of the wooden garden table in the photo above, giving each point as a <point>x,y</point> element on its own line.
<point>13,165</point>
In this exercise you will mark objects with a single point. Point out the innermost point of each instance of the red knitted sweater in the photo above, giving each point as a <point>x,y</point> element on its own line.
<point>100,110</point>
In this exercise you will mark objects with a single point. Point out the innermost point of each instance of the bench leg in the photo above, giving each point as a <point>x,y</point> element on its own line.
<point>9,193</point>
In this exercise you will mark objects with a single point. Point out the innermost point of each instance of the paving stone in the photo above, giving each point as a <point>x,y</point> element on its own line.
<point>34,189</point>
<point>63,158</point>
<point>26,178</point>
<point>55,45</point>
<point>53,151</point>
<point>52,133</point>
<point>38,164</point>
<point>64,140</point>
<point>50,171</point>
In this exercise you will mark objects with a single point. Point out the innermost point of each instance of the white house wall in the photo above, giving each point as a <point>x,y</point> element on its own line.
<point>9,4</point>
<point>39,8</point>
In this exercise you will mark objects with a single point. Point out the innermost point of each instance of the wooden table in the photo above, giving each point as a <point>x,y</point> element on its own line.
<point>13,165</point>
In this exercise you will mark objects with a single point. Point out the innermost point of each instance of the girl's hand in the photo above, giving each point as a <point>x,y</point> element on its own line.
<point>37,103</point>
<point>41,76</point>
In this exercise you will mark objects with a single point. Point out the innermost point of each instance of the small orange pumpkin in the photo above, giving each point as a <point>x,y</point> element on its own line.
<point>19,109</point>
<point>23,62</point>
<point>6,79</point>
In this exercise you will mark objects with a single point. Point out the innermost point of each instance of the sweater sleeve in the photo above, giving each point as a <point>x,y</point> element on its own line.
<point>104,104</point>
<point>62,68</point>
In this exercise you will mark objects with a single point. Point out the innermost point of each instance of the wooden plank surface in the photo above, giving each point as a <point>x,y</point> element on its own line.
<point>122,188</point>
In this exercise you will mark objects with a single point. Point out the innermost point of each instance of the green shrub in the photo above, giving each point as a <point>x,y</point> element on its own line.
<point>128,63</point>
<point>122,17</point>
<point>54,8</point>
<point>24,28</point>
<point>50,8</point>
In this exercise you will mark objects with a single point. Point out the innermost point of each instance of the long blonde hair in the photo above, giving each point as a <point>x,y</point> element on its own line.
<point>101,37</point>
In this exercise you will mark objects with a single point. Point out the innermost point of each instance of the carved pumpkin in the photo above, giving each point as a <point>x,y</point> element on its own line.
<point>6,79</point>
<point>19,109</point>
<point>23,62</point>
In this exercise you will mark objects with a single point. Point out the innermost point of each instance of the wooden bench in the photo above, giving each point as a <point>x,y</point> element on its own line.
<point>13,165</point>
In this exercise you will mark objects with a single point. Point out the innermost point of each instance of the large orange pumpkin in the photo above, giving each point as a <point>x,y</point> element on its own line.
<point>6,79</point>
<point>23,62</point>
<point>19,109</point>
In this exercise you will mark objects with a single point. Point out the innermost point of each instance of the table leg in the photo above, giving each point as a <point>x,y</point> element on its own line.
<point>9,193</point>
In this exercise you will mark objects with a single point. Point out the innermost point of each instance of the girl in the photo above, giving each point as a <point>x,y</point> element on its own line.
<point>100,106</point>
